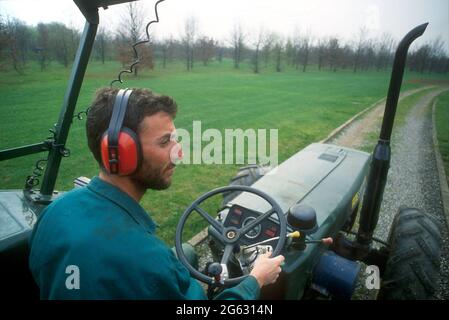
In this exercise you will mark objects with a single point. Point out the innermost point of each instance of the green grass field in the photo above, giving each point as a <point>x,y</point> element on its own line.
<point>304,107</point>
<point>442,120</point>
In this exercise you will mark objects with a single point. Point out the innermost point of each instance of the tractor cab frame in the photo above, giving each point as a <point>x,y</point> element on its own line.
<point>297,197</point>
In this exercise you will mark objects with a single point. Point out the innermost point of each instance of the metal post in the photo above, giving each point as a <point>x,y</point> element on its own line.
<point>69,104</point>
<point>23,151</point>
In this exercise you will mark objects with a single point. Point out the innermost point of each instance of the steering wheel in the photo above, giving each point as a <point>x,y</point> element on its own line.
<point>230,236</point>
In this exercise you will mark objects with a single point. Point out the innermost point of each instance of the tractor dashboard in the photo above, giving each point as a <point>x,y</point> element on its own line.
<point>238,217</point>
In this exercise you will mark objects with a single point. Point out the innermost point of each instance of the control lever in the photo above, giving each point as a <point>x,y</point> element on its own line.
<point>220,273</point>
<point>293,235</point>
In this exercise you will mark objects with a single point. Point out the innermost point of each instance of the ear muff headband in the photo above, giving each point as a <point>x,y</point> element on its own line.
<point>115,126</point>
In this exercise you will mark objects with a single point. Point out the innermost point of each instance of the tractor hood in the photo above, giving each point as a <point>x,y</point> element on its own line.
<point>325,177</point>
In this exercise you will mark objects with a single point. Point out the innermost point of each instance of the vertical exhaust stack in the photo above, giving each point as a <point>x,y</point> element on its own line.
<point>380,162</point>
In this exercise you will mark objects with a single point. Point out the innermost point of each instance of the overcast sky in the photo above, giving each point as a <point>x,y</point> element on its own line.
<point>342,18</point>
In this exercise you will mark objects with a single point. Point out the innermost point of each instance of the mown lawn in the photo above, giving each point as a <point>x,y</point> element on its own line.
<point>304,107</point>
<point>442,125</point>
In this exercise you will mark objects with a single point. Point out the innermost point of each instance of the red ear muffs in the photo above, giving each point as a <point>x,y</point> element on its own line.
<point>129,153</point>
<point>120,147</point>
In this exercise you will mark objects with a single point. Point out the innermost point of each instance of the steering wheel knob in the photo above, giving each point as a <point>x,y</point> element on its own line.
<point>231,234</point>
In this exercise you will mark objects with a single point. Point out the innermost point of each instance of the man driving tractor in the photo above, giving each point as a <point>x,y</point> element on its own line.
<point>102,231</point>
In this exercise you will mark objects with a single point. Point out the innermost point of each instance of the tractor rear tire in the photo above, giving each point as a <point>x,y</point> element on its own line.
<point>413,267</point>
<point>245,177</point>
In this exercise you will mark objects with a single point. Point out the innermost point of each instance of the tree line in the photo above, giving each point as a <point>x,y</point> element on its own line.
<point>46,43</point>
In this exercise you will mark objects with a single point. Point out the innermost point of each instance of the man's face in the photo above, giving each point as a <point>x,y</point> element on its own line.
<point>156,138</point>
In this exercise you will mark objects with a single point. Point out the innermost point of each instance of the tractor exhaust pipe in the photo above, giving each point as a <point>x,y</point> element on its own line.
<point>380,163</point>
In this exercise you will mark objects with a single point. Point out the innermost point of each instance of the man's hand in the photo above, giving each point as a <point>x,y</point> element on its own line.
<point>266,270</point>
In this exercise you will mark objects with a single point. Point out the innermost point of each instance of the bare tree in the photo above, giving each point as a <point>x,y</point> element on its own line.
<point>62,47</point>
<point>73,40</point>
<point>301,46</point>
<point>14,34</point>
<point>167,47</point>
<point>188,40</point>
<point>60,42</point>
<point>132,29</point>
<point>100,44</point>
<point>439,62</point>
<point>206,49</point>
<point>306,41</point>
<point>368,54</point>
<point>220,51</point>
<point>290,52</point>
<point>267,47</point>
<point>122,50</point>
<point>237,40</point>
<point>384,51</point>
<point>297,49</point>
<point>321,52</point>
<point>333,49</point>
<point>278,50</point>
<point>346,57</point>
<point>430,56</point>
<point>3,42</point>
<point>359,47</point>
<point>422,56</point>
<point>436,52</point>
<point>43,45</point>
<point>164,48</point>
<point>132,22</point>
<point>258,43</point>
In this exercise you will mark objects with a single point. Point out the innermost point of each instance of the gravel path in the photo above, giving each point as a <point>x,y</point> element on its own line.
<point>355,133</point>
<point>413,177</point>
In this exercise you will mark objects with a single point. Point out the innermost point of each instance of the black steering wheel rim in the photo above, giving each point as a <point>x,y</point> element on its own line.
<point>194,206</point>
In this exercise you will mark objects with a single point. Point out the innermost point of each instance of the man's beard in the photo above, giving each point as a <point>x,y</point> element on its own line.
<point>149,177</point>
